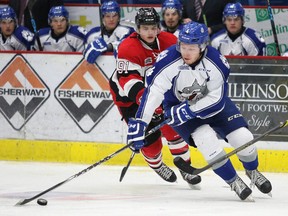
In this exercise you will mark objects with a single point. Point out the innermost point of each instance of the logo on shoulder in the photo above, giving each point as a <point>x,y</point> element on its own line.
<point>27,35</point>
<point>259,36</point>
<point>149,71</point>
<point>224,60</point>
<point>162,55</point>
<point>82,30</point>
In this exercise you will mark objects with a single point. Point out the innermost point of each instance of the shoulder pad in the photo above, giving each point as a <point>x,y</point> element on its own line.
<point>77,31</point>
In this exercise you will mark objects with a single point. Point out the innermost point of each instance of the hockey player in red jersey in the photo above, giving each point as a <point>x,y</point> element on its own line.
<point>136,54</point>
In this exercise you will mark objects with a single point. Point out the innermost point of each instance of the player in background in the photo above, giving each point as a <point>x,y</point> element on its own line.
<point>13,37</point>
<point>107,36</point>
<point>191,80</point>
<point>235,38</point>
<point>136,54</point>
<point>61,36</point>
<point>172,17</point>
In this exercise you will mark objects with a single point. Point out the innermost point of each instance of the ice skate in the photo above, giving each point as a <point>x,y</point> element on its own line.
<point>261,182</point>
<point>241,189</point>
<point>192,180</point>
<point>166,173</point>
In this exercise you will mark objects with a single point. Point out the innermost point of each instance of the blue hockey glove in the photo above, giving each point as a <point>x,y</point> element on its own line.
<point>179,114</point>
<point>136,134</point>
<point>95,49</point>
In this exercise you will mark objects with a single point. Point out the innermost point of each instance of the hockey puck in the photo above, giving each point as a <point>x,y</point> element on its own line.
<point>42,202</point>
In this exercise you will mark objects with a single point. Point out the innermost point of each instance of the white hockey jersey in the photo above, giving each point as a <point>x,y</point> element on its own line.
<point>249,43</point>
<point>176,32</point>
<point>71,41</point>
<point>119,33</point>
<point>203,84</point>
<point>21,39</point>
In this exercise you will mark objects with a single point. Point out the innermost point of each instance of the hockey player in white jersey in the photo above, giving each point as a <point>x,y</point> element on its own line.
<point>236,39</point>
<point>191,80</point>
<point>108,35</point>
<point>172,17</point>
<point>13,37</point>
<point>61,36</point>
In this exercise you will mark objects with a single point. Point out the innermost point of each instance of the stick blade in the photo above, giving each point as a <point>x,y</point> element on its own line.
<point>124,170</point>
<point>284,124</point>
<point>184,166</point>
<point>22,202</point>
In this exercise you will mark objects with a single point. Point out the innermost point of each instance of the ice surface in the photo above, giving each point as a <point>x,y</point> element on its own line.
<point>142,192</point>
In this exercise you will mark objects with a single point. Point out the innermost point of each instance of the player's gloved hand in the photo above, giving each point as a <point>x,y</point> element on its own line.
<point>95,49</point>
<point>179,114</point>
<point>136,134</point>
<point>158,114</point>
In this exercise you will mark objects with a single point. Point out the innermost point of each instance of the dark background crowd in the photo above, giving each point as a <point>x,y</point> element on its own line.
<point>243,2</point>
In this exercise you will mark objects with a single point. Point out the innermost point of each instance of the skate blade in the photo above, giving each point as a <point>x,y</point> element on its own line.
<point>195,187</point>
<point>250,198</point>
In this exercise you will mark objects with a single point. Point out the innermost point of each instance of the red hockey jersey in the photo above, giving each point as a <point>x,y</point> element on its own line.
<point>134,58</point>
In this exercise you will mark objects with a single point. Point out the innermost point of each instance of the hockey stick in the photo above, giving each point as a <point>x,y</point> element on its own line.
<point>203,14</point>
<point>24,201</point>
<point>184,166</point>
<point>35,30</point>
<point>36,34</point>
<point>124,170</point>
<point>273,27</point>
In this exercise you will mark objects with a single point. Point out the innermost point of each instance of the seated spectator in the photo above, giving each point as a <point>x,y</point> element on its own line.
<point>13,37</point>
<point>172,17</point>
<point>236,39</point>
<point>61,36</point>
<point>39,10</point>
<point>111,32</point>
<point>211,15</point>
